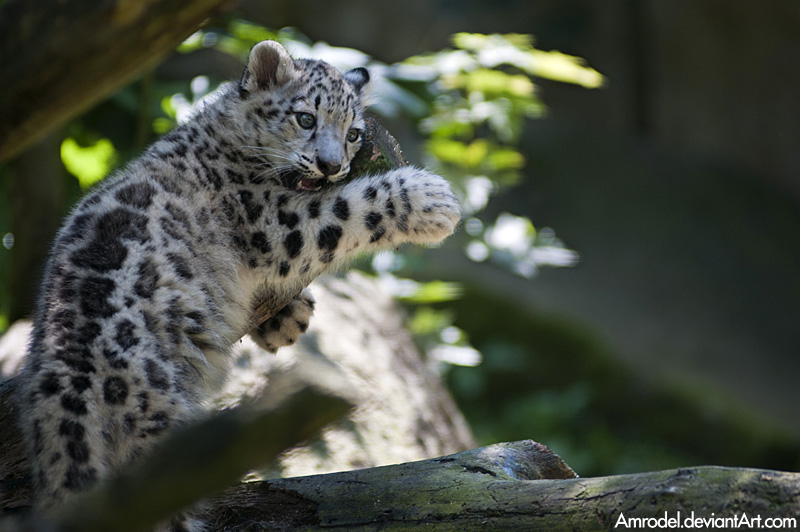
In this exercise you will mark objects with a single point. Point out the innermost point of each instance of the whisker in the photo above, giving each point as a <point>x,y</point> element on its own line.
<point>270,151</point>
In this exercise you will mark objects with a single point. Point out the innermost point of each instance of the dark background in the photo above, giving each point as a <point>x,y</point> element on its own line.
<point>678,183</point>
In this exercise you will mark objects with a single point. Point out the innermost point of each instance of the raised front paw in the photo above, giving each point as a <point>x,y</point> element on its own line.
<point>287,325</point>
<point>427,211</point>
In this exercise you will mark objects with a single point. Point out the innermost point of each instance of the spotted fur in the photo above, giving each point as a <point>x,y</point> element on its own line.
<point>157,271</point>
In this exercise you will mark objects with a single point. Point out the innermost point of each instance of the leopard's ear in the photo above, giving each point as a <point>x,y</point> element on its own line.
<point>359,80</point>
<point>268,66</point>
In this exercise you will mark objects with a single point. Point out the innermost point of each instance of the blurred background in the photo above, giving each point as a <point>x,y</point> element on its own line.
<point>624,286</point>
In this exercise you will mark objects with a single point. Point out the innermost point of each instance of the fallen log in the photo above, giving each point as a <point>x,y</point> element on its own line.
<point>508,486</point>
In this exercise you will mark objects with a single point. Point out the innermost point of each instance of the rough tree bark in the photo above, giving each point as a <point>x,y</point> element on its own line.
<point>508,486</point>
<point>58,58</point>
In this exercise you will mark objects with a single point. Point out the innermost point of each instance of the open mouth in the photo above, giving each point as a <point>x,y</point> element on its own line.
<point>309,184</point>
<point>294,180</point>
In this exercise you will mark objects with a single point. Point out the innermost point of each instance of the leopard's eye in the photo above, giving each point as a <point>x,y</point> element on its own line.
<point>306,120</point>
<point>353,135</point>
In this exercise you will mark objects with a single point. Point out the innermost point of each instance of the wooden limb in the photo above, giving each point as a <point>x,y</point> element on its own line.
<point>59,58</point>
<point>511,486</point>
<point>500,487</point>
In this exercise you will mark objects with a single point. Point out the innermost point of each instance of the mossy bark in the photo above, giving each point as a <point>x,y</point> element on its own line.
<point>509,486</point>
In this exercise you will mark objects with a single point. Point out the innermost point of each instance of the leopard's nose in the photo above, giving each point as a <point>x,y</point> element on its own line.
<point>328,168</point>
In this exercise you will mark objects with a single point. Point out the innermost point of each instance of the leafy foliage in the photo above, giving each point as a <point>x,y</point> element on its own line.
<point>480,94</point>
<point>483,91</point>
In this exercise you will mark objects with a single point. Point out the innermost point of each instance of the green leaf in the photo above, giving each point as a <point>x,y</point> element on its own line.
<point>502,159</point>
<point>435,292</point>
<point>168,108</point>
<point>476,42</point>
<point>517,50</point>
<point>88,163</point>
<point>193,42</point>
<point>162,125</point>
<point>566,68</point>
<point>448,150</point>
<point>250,33</point>
<point>428,321</point>
<point>244,35</point>
<point>491,83</point>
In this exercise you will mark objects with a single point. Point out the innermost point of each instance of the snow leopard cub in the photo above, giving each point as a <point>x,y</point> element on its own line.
<point>157,271</point>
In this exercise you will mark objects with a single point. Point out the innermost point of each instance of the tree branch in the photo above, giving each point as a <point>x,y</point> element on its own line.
<point>443,492</point>
<point>500,487</point>
<point>496,488</point>
<point>58,58</point>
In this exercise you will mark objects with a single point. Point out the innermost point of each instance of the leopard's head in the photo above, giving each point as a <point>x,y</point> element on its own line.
<point>302,119</point>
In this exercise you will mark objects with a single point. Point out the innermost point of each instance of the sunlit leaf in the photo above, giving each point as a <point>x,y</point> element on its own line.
<point>512,233</point>
<point>88,163</point>
<point>250,32</point>
<point>168,107</point>
<point>506,159</point>
<point>435,292</point>
<point>448,150</point>
<point>475,153</point>
<point>448,127</point>
<point>517,50</point>
<point>447,62</point>
<point>457,355</point>
<point>491,83</point>
<point>243,36</point>
<point>566,68</point>
<point>162,125</point>
<point>428,321</point>
<point>476,41</point>
<point>193,42</point>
